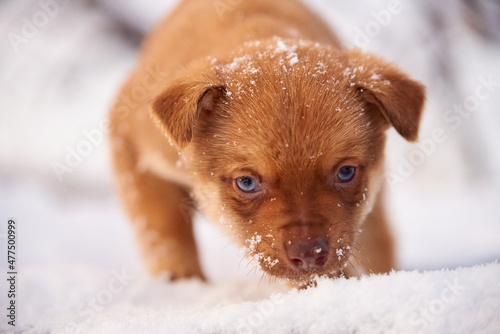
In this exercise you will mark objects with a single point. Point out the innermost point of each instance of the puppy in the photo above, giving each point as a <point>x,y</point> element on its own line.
<point>276,132</point>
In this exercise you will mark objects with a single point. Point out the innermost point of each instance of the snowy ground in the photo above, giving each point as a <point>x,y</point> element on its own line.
<point>78,267</point>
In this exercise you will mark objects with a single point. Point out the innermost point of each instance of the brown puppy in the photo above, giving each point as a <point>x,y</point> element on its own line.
<point>275,130</point>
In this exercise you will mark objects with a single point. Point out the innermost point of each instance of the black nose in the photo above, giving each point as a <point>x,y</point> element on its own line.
<point>308,255</point>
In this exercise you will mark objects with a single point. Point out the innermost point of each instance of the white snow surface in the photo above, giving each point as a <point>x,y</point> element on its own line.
<point>465,300</point>
<point>79,271</point>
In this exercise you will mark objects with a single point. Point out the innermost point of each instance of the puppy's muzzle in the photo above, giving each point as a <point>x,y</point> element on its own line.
<point>306,249</point>
<point>308,256</point>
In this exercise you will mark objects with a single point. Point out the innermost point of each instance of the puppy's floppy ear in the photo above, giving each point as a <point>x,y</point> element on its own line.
<point>399,99</point>
<point>194,91</point>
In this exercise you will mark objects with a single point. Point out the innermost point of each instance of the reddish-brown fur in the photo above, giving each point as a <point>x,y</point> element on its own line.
<point>267,92</point>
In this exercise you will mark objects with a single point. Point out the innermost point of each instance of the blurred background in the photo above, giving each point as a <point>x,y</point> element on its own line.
<point>62,62</point>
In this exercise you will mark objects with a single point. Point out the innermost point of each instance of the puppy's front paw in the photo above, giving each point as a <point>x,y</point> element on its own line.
<point>175,270</point>
<point>173,262</point>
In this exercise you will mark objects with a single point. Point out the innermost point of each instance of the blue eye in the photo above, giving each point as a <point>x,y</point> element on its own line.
<point>346,174</point>
<point>247,184</point>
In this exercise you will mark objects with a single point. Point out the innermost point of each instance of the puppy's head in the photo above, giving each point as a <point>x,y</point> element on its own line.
<point>285,144</point>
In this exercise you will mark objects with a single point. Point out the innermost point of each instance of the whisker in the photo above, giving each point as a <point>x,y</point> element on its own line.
<point>349,262</point>
<point>255,269</point>
<point>251,270</point>
<point>357,260</point>
<point>244,257</point>
<point>364,258</point>
<point>253,258</point>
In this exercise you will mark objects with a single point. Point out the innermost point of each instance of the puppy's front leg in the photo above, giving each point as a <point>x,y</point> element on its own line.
<point>160,217</point>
